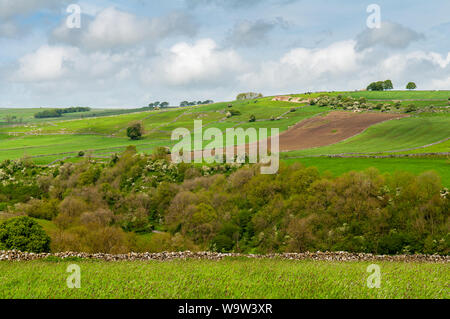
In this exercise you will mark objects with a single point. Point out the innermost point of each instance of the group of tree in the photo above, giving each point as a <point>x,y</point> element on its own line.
<point>59,112</point>
<point>249,96</point>
<point>13,119</point>
<point>101,207</point>
<point>387,85</point>
<point>380,86</point>
<point>193,103</point>
<point>160,105</point>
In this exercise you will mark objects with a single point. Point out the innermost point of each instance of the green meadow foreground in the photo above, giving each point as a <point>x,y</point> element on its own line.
<point>228,279</point>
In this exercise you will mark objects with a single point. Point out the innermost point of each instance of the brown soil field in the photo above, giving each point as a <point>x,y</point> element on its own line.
<point>330,129</point>
<point>325,130</point>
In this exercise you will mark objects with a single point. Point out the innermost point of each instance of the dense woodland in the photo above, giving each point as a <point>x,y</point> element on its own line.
<point>137,202</point>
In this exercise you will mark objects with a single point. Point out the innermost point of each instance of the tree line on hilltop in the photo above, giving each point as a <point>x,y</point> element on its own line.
<point>60,112</point>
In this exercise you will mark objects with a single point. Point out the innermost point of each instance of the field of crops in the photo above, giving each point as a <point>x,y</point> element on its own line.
<point>232,278</point>
<point>395,135</point>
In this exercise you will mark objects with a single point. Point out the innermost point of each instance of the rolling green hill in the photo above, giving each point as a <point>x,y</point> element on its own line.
<point>101,133</point>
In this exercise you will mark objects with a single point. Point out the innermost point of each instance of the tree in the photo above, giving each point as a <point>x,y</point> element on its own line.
<point>164,104</point>
<point>376,86</point>
<point>388,85</point>
<point>252,119</point>
<point>23,234</point>
<point>135,131</point>
<point>248,96</point>
<point>411,86</point>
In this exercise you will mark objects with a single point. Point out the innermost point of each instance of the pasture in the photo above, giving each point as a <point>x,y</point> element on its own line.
<point>236,278</point>
<point>101,133</point>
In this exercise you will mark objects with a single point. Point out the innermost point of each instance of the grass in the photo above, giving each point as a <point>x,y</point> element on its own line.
<point>27,114</point>
<point>13,148</point>
<point>387,95</point>
<point>393,135</point>
<point>106,135</point>
<point>339,166</point>
<point>227,279</point>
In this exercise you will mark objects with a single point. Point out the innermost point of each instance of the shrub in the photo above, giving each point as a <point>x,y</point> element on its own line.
<point>135,131</point>
<point>42,209</point>
<point>80,154</point>
<point>23,234</point>
<point>252,119</point>
<point>234,112</point>
<point>160,153</point>
<point>411,108</point>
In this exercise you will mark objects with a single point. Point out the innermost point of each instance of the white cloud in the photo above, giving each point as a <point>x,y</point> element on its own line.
<point>11,8</point>
<point>201,70</point>
<point>341,66</point>
<point>9,30</point>
<point>305,67</point>
<point>112,28</point>
<point>47,63</point>
<point>201,63</point>
<point>391,35</point>
<point>64,63</point>
<point>252,33</point>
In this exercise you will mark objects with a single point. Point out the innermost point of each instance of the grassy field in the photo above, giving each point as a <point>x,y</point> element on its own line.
<point>396,135</point>
<point>339,166</point>
<point>387,95</point>
<point>105,134</point>
<point>27,115</point>
<point>232,278</point>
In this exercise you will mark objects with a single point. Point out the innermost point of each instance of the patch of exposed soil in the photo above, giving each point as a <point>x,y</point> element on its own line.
<point>330,129</point>
<point>325,130</point>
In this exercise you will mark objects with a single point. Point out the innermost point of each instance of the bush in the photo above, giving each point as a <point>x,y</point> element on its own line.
<point>252,119</point>
<point>23,234</point>
<point>42,209</point>
<point>411,108</point>
<point>161,153</point>
<point>135,131</point>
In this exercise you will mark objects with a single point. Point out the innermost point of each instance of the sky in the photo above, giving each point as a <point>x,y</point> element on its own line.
<point>129,53</point>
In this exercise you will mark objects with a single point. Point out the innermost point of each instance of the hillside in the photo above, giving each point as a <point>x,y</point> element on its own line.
<point>425,130</point>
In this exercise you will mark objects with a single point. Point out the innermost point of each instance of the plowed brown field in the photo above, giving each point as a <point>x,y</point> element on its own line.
<point>330,129</point>
<point>325,130</point>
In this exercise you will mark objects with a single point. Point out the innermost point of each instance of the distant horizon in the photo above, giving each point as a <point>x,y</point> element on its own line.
<point>219,101</point>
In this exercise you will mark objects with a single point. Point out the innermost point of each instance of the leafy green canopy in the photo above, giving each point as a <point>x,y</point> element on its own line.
<point>23,234</point>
